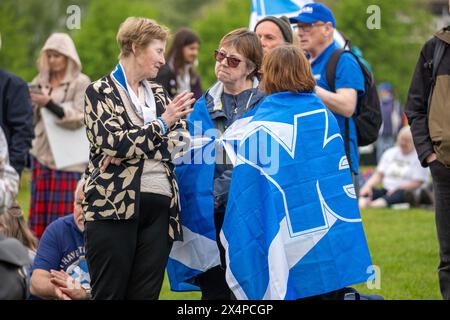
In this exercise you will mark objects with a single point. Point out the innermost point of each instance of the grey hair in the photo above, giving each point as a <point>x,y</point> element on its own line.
<point>404,131</point>
<point>80,185</point>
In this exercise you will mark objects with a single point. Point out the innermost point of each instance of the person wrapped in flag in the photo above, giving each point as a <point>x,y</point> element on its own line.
<point>292,227</point>
<point>195,262</point>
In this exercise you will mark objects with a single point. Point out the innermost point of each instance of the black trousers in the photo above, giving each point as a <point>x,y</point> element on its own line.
<point>127,258</point>
<point>397,197</point>
<point>441,185</point>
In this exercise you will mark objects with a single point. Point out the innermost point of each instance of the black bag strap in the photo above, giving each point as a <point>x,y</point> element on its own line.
<point>437,57</point>
<point>330,70</point>
<point>330,76</point>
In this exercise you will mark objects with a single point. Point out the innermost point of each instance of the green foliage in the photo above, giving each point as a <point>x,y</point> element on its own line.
<point>179,13</point>
<point>14,52</point>
<point>217,20</point>
<point>393,49</point>
<point>96,40</point>
<point>25,26</point>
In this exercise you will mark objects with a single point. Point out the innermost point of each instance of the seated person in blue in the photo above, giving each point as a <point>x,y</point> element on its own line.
<point>59,270</point>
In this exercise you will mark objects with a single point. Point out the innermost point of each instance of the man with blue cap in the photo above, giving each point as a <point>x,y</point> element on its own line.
<point>315,29</point>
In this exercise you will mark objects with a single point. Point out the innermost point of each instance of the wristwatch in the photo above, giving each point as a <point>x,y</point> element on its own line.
<point>88,290</point>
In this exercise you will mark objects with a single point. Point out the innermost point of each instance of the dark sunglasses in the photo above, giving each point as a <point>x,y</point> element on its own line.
<point>231,61</point>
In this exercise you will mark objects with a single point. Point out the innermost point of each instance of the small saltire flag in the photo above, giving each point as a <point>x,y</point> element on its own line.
<point>263,8</point>
<point>292,228</point>
<point>278,8</point>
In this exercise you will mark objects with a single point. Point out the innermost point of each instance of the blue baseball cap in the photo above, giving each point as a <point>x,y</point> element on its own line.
<point>313,12</point>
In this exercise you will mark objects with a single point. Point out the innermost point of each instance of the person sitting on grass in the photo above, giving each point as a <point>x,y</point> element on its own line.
<point>60,269</point>
<point>13,255</point>
<point>399,172</point>
<point>13,225</point>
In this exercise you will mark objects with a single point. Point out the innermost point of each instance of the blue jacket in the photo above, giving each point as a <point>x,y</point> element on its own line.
<point>16,118</point>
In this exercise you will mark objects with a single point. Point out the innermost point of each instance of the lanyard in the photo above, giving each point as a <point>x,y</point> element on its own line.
<point>146,110</point>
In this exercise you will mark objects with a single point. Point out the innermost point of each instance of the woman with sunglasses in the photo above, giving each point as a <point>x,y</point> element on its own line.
<point>238,60</point>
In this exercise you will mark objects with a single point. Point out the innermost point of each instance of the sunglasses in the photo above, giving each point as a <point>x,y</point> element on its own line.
<point>231,61</point>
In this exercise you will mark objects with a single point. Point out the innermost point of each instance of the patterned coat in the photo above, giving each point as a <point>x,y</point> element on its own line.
<point>114,193</point>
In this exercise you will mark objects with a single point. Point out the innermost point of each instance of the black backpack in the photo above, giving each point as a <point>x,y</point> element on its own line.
<point>368,114</point>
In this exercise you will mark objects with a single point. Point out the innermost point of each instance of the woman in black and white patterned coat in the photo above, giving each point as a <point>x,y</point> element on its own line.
<point>131,195</point>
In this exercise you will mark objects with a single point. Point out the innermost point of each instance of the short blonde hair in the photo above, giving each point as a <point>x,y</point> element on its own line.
<point>286,69</point>
<point>140,31</point>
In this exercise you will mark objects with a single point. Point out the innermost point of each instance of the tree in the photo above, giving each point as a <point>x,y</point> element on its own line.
<point>14,54</point>
<point>96,40</point>
<point>179,13</point>
<point>393,49</point>
<point>217,20</point>
<point>25,26</point>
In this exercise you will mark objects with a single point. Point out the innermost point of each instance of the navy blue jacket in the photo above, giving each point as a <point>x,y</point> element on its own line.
<point>16,118</point>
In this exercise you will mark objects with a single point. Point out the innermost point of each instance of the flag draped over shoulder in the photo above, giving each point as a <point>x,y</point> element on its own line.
<point>292,228</point>
<point>198,252</point>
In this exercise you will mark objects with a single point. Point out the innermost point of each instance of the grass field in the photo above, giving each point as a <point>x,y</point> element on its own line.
<point>402,243</point>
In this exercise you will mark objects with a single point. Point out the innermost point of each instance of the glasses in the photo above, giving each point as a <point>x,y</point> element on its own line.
<point>231,61</point>
<point>307,27</point>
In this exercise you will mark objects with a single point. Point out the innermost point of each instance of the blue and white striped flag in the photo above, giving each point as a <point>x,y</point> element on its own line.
<point>292,228</point>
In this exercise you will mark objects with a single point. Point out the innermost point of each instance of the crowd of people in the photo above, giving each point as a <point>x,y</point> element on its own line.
<point>122,207</point>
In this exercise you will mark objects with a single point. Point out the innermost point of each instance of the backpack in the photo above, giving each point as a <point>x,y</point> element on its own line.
<point>368,114</point>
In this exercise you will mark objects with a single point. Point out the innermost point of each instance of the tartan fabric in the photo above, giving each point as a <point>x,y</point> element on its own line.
<point>52,195</point>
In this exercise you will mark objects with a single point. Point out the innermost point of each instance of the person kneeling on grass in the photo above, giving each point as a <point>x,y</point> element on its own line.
<point>399,172</point>
<point>60,269</point>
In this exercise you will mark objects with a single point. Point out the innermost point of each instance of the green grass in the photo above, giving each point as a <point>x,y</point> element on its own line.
<point>402,243</point>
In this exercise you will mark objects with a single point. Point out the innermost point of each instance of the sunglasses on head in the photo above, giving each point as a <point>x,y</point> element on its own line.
<point>231,61</point>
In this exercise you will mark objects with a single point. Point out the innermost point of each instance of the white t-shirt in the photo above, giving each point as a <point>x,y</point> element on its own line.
<point>398,168</point>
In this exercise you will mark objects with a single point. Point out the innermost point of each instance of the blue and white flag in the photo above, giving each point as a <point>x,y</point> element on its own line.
<point>292,228</point>
<point>198,251</point>
<point>278,8</point>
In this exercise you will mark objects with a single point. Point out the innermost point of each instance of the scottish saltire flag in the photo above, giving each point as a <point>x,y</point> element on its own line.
<point>263,8</point>
<point>278,8</point>
<point>292,227</point>
<point>198,251</point>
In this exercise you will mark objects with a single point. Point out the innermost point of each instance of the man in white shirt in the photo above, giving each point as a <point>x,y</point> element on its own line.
<point>399,172</point>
